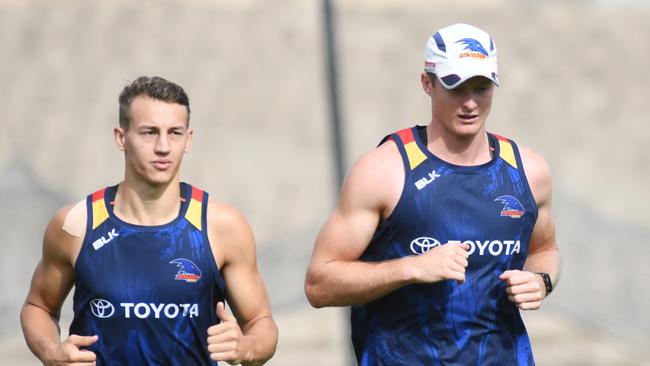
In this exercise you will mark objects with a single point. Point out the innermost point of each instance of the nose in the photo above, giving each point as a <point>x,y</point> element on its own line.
<point>469,101</point>
<point>162,144</point>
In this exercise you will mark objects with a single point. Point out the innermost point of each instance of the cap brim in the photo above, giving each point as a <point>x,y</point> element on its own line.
<point>451,81</point>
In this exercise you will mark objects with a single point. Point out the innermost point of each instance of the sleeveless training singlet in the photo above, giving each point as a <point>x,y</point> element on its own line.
<point>489,207</point>
<point>149,292</point>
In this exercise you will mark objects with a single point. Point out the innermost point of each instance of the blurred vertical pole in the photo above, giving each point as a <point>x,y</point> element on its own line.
<point>336,131</point>
<point>333,95</point>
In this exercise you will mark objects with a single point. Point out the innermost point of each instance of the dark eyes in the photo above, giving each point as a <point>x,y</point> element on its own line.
<point>154,132</point>
<point>477,90</point>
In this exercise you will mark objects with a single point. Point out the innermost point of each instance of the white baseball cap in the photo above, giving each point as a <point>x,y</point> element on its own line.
<point>459,52</point>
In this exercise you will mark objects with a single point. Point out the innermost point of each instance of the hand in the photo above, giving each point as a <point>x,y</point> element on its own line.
<point>68,352</point>
<point>526,289</point>
<point>226,341</point>
<point>445,262</point>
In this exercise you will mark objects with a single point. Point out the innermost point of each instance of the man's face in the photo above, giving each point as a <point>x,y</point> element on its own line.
<point>462,110</point>
<point>155,141</point>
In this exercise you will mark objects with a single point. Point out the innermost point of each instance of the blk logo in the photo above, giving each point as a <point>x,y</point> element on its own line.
<point>425,181</point>
<point>103,241</point>
<point>423,244</point>
<point>102,308</point>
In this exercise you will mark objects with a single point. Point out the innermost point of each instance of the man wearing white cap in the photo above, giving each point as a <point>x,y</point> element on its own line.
<point>443,232</point>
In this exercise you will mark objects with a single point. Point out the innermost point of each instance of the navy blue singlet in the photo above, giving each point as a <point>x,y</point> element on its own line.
<point>491,208</point>
<point>149,292</point>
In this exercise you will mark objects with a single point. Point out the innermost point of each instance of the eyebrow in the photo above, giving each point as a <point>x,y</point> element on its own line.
<point>147,127</point>
<point>152,127</point>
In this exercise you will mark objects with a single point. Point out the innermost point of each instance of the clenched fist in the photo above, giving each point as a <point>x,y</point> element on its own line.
<point>525,289</point>
<point>445,262</point>
<point>226,341</point>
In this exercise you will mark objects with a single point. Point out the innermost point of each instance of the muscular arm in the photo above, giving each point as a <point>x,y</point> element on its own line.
<point>526,288</point>
<point>252,332</point>
<point>336,276</point>
<point>543,252</point>
<point>51,283</point>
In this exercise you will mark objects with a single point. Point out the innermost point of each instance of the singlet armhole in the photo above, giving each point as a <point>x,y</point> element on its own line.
<point>219,280</point>
<point>524,178</point>
<point>407,170</point>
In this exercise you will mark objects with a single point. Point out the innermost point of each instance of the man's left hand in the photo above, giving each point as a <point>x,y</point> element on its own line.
<point>525,289</point>
<point>226,341</point>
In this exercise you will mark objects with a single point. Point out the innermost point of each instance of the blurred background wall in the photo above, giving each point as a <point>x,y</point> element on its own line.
<point>574,87</point>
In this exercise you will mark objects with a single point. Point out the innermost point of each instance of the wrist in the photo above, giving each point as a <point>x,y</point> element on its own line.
<point>247,351</point>
<point>546,283</point>
<point>408,272</point>
<point>48,351</point>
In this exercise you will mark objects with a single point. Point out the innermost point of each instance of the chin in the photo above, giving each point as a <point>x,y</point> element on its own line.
<point>468,130</point>
<point>159,179</point>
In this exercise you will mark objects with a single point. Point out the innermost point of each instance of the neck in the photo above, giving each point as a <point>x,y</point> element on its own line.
<point>140,203</point>
<point>459,150</point>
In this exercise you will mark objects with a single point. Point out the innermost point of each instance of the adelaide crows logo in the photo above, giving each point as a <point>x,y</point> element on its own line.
<point>474,47</point>
<point>511,207</point>
<point>188,271</point>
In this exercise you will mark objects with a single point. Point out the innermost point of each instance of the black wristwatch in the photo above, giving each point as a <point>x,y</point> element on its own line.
<point>547,282</point>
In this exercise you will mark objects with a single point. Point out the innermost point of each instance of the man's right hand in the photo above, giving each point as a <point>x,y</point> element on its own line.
<point>69,354</point>
<point>445,262</point>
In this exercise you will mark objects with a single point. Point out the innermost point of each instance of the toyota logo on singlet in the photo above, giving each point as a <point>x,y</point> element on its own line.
<point>423,244</point>
<point>102,308</point>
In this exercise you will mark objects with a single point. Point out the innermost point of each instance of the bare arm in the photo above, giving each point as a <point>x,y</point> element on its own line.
<point>526,288</point>
<point>543,252</point>
<point>250,336</point>
<point>51,283</point>
<point>336,276</point>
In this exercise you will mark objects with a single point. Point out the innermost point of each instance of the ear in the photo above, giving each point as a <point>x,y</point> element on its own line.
<point>427,84</point>
<point>188,143</point>
<point>118,134</point>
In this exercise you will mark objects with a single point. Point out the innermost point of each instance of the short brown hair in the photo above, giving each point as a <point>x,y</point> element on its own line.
<point>153,87</point>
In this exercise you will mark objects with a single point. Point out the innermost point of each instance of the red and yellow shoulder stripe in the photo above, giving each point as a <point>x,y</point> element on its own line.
<point>100,214</point>
<point>413,153</point>
<point>195,208</point>
<point>506,151</point>
<point>193,213</point>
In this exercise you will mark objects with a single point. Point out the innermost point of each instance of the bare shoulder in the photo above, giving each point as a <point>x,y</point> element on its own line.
<point>538,173</point>
<point>375,163</point>
<point>64,234</point>
<point>376,179</point>
<point>225,217</point>
<point>75,219</point>
<point>230,235</point>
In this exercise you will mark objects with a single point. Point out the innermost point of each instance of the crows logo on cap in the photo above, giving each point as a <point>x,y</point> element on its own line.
<point>474,47</point>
